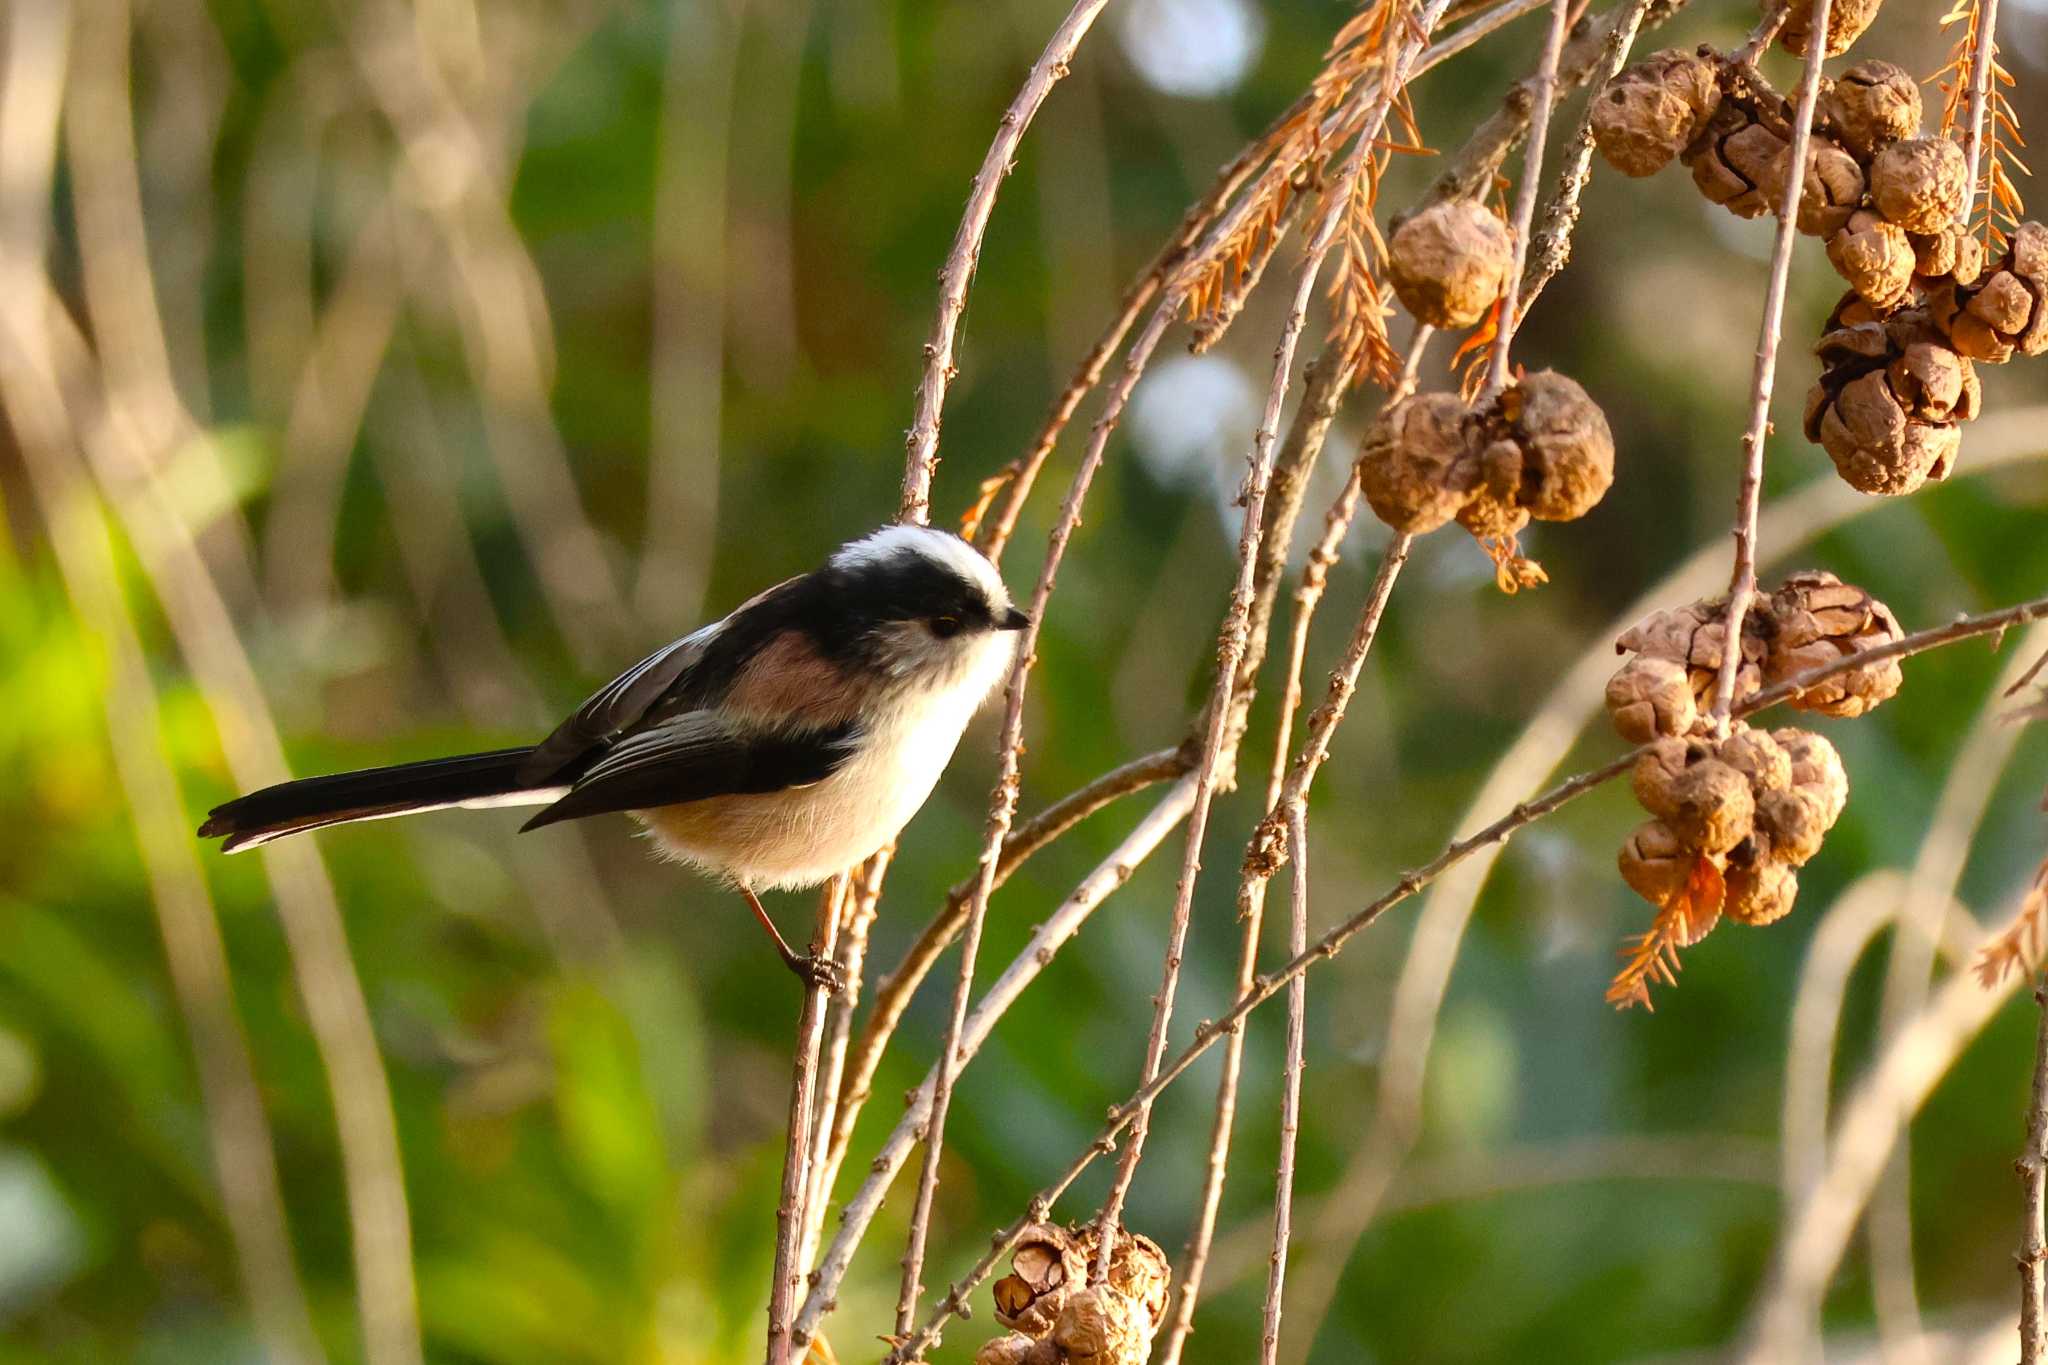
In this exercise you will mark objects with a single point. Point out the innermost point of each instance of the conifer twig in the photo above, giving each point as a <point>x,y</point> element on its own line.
<point>1290,1081</point>
<point>2033,1169</point>
<point>796,1166</point>
<point>1749,495</point>
<point>1543,100</point>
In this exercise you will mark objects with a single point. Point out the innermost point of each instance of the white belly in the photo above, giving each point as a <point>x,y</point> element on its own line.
<point>801,836</point>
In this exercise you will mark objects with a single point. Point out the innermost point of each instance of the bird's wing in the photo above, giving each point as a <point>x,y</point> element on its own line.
<point>626,700</point>
<point>696,755</point>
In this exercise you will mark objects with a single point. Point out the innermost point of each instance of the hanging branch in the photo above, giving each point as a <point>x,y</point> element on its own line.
<point>1992,623</point>
<point>1742,583</point>
<point>958,272</point>
<point>1290,1082</point>
<point>2033,1169</point>
<point>1543,101</point>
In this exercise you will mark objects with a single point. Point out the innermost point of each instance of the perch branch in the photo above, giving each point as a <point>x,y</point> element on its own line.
<point>803,1098</point>
<point>2033,1169</point>
<point>1290,1082</point>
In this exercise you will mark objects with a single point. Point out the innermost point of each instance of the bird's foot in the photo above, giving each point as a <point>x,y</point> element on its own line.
<point>819,973</point>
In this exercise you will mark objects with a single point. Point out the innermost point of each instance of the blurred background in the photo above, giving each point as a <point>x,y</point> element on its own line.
<point>422,365</point>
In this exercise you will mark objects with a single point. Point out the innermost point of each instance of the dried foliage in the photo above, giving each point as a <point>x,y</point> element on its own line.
<point>1997,206</point>
<point>2022,947</point>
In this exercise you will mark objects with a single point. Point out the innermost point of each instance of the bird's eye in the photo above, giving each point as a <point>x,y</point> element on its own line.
<point>945,627</point>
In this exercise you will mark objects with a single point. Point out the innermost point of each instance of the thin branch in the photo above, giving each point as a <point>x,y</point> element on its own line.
<point>1290,1082</point>
<point>1766,31</point>
<point>858,917</point>
<point>1552,246</point>
<point>1320,398</point>
<point>1983,59</point>
<point>958,272</point>
<point>1542,101</point>
<point>2033,1168</point>
<point>1742,581</point>
<point>1992,623</point>
<point>803,1098</point>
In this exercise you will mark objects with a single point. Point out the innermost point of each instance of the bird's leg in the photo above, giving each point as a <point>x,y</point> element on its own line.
<point>813,970</point>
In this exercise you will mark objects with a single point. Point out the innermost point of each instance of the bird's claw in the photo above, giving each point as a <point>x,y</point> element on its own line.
<point>820,973</point>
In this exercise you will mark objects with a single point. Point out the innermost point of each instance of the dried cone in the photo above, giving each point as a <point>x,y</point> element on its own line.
<point>1711,806</point>
<point>1950,256</point>
<point>1888,403</point>
<point>1919,183</point>
<point>2003,311</point>
<point>1816,768</point>
<point>1413,462</point>
<point>1016,1349</point>
<point>1760,892</point>
<point>1102,1327</point>
<point>1874,255</point>
<point>1652,111</point>
<point>1846,21</point>
<point>1833,188</point>
<point>1550,456</point>
<point>1648,697</point>
<point>1793,822</point>
<point>1450,262</point>
<point>1760,759</point>
<point>1693,635</point>
<point>1871,104</point>
<point>1731,160</point>
<point>1821,619</point>
<point>1043,1266</point>
<point>1655,864</point>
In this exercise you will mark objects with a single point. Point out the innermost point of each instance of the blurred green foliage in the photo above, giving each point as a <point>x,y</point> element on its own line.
<point>588,1051</point>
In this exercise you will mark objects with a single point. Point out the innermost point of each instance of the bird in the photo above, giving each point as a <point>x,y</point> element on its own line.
<point>771,749</point>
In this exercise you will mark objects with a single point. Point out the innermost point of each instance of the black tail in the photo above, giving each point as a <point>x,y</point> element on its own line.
<point>472,780</point>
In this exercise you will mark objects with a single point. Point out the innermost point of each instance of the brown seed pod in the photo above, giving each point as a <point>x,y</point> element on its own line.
<point>1103,1327</point>
<point>1951,255</point>
<point>1846,21</point>
<point>1693,635</point>
<point>1794,822</point>
<point>1759,758</point>
<point>1875,257</point>
<point>1816,768</point>
<point>1043,1266</point>
<point>1761,892</point>
<point>1871,104</point>
<point>1820,619</point>
<point>1550,452</point>
<point>1919,182</point>
<point>1650,112</point>
<point>1654,863</point>
<point>1017,1349</point>
<point>1731,160</point>
<point>1449,262</point>
<point>1712,809</point>
<point>1414,465</point>
<point>1654,776</point>
<point>1888,403</point>
<point>2006,309</point>
<point>1648,697</point>
<point>1833,187</point>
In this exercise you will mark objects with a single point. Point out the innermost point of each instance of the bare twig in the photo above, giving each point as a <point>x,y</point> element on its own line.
<point>1552,246</point>
<point>2033,1168</point>
<point>958,272</point>
<point>789,1209</point>
<point>1992,623</point>
<point>1290,1082</point>
<point>1742,581</point>
<point>1542,100</point>
<point>1765,31</point>
<point>1982,59</point>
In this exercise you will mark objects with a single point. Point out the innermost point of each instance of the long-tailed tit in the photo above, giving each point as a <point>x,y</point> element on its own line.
<point>774,748</point>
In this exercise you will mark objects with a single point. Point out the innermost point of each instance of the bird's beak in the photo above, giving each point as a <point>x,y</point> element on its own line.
<point>1012,620</point>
